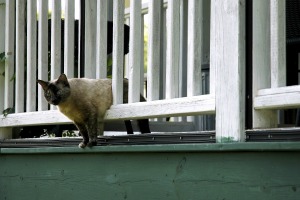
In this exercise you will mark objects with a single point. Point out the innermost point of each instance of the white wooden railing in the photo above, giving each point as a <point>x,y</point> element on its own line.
<point>270,92</point>
<point>222,45</point>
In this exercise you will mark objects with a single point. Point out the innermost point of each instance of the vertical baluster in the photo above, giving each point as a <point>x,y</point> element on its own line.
<point>134,51</point>
<point>69,38</point>
<point>154,50</point>
<point>55,41</point>
<point>20,39</point>
<point>278,43</point>
<point>194,50</point>
<point>31,56</point>
<point>101,38</point>
<point>142,71</point>
<point>2,49</point>
<point>194,75</point>
<point>9,62</point>
<point>173,51</point>
<point>126,57</point>
<point>42,51</point>
<point>118,51</point>
<point>9,53</point>
<point>261,61</point>
<point>90,39</point>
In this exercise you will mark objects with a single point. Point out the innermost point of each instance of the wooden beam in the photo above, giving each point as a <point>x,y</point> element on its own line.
<point>261,62</point>
<point>228,59</point>
<point>118,51</point>
<point>2,49</point>
<point>159,108</point>
<point>278,43</point>
<point>173,51</point>
<point>31,56</point>
<point>9,53</point>
<point>278,98</point>
<point>56,41</point>
<point>204,104</point>
<point>134,51</point>
<point>101,38</point>
<point>42,52</point>
<point>70,39</point>
<point>20,56</point>
<point>4,41</point>
<point>154,50</point>
<point>90,39</point>
<point>194,61</point>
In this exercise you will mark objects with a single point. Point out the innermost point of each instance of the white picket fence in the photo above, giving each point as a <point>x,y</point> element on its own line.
<point>215,34</point>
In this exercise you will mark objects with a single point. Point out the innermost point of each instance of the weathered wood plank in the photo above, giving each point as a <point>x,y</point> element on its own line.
<point>278,98</point>
<point>279,90</point>
<point>42,51</point>
<point>69,38</point>
<point>2,49</point>
<point>20,55</point>
<point>9,53</point>
<point>228,59</point>
<point>193,172</point>
<point>33,118</point>
<point>173,51</point>
<point>118,51</point>
<point>134,51</point>
<point>55,39</point>
<point>154,50</point>
<point>261,62</point>
<point>90,39</point>
<point>9,61</point>
<point>194,60</point>
<point>101,38</point>
<point>159,108</point>
<point>278,43</point>
<point>205,104</point>
<point>31,56</point>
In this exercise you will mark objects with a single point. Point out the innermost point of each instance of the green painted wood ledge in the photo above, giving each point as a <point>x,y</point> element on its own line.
<point>218,147</point>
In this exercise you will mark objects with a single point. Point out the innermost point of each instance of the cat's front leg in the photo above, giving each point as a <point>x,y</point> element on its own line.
<point>92,131</point>
<point>84,132</point>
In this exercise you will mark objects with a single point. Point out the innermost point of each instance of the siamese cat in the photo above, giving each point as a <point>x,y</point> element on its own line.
<point>85,101</point>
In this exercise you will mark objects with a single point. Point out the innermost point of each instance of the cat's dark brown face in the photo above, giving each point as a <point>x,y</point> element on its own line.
<point>57,91</point>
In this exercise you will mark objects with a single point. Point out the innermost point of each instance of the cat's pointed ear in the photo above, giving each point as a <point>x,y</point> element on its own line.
<point>44,84</point>
<point>63,79</point>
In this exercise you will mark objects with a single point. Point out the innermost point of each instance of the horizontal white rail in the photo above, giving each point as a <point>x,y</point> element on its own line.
<point>204,104</point>
<point>278,98</point>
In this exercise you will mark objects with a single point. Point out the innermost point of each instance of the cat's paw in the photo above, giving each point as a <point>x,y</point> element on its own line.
<point>82,145</point>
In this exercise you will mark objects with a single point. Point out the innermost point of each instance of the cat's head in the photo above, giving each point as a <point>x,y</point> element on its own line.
<point>56,91</point>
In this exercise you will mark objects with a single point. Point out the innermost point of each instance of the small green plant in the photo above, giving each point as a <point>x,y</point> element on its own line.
<point>2,57</point>
<point>8,111</point>
<point>69,133</point>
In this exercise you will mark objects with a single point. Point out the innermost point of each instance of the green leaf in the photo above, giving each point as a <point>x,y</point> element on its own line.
<point>13,77</point>
<point>8,111</point>
<point>2,57</point>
